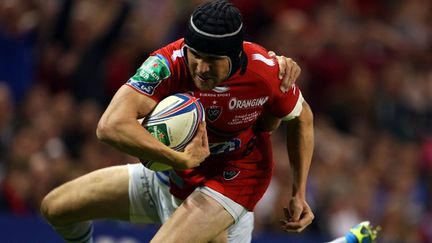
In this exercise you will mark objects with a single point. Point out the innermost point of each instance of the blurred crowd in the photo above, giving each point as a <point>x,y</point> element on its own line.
<point>366,72</point>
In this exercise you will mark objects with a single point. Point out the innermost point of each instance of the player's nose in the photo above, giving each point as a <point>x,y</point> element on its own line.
<point>202,66</point>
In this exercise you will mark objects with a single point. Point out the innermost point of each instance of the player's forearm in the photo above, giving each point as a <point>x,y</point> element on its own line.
<point>300,145</point>
<point>130,137</point>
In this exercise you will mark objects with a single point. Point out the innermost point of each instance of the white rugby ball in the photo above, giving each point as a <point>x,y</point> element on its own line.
<point>174,122</point>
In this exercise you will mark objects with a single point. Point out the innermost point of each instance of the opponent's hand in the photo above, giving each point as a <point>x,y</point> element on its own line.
<point>289,71</point>
<point>297,216</point>
<point>198,149</point>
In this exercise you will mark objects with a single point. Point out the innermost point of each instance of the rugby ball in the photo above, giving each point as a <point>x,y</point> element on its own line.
<point>174,122</point>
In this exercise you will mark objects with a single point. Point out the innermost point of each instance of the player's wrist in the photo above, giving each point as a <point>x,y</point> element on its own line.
<point>298,193</point>
<point>180,160</point>
<point>170,156</point>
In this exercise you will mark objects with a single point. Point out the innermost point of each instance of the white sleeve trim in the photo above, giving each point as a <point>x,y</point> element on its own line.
<point>297,109</point>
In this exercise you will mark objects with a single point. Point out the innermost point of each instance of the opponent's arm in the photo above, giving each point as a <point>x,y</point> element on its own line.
<point>300,145</point>
<point>119,127</point>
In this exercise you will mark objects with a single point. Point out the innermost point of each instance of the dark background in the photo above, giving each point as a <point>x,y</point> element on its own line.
<point>366,72</point>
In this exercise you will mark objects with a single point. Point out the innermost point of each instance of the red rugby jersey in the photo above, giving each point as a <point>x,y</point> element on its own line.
<point>240,162</point>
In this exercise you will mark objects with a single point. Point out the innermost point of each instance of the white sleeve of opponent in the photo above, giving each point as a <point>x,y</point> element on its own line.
<point>297,109</point>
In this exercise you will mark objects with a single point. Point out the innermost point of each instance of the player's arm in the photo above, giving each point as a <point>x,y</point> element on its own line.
<point>119,127</point>
<point>268,122</point>
<point>300,145</point>
<point>289,71</point>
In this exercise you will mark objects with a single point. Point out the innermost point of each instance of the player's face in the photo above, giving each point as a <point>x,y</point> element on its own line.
<point>207,70</point>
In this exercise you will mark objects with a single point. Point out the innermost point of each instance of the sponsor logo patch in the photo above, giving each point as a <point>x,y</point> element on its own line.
<point>237,104</point>
<point>150,74</point>
<point>160,132</point>
<point>225,147</point>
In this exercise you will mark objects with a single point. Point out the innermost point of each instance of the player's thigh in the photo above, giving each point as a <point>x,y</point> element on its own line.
<point>99,194</point>
<point>199,218</point>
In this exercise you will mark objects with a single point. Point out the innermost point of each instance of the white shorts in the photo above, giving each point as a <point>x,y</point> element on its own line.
<point>151,202</point>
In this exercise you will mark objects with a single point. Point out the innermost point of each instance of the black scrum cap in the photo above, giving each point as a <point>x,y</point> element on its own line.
<point>216,28</point>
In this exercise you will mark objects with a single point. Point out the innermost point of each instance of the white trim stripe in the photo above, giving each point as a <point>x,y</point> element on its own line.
<point>214,35</point>
<point>263,59</point>
<point>297,109</point>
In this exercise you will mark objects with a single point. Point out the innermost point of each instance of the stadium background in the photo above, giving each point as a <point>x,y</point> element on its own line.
<point>366,71</point>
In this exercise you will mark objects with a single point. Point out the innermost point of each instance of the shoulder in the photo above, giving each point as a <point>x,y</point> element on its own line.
<point>162,68</point>
<point>173,55</point>
<point>260,64</point>
<point>172,52</point>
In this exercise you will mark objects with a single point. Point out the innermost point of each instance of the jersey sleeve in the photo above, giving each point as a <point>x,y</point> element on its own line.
<point>153,77</point>
<point>163,73</point>
<point>298,107</point>
<point>287,105</point>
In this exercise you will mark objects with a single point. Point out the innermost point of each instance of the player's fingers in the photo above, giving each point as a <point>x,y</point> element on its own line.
<point>199,134</point>
<point>201,129</point>
<point>297,227</point>
<point>203,126</point>
<point>298,71</point>
<point>287,213</point>
<point>271,53</point>
<point>288,224</point>
<point>282,62</point>
<point>204,136</point>
<point>296,211</point>
<point>292,228</point>
<point>295,72</point>
<point>291,71</point>
<point>287,80</point>
<point>305,219</point>
<point>297,230</point>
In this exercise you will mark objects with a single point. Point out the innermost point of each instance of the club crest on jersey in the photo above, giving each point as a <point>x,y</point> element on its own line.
<point>213,112</point>
<point>230,174</point>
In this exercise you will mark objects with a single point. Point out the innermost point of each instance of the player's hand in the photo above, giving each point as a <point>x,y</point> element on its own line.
<point>289,71</point>
<point>198,149</point>
<point>298,216</point>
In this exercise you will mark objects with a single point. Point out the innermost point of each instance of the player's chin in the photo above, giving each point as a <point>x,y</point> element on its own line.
<point>204,85</point>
